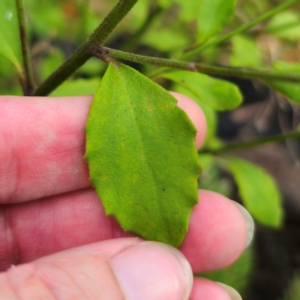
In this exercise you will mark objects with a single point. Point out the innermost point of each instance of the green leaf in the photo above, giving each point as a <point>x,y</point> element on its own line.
<point>258,190</point>
<point>216,93</point>
<point>188,10</point>
<point>9,83</point>
<point>285,25</point>
<point>50,18</point>
<point>165,40</point>
<point>50,63</point>
<point>289,90</point>
<point>211,177</point>
<point>213,16</point>
<point>138,15</point>
<point>10,45</point>
<point>142,156</point>
<point>77,87</point>
<point>92,68</point>
<point>164,3</point>
<point>245,52</point>
<point>170,38</point>
<point>237,275</point>
<point>293,291</point>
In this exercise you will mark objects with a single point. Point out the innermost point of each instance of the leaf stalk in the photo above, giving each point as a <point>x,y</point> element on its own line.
<point>203,68</point>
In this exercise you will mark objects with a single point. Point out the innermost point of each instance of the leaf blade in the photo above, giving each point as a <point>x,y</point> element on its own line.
<point>258,190</point>
<point>146,179</point>
<point>239,57</point>
<point>10,46</point>
<point>213,16</point>
<point>76,87</point>
<point>290,90</point>
<point>216,93</point>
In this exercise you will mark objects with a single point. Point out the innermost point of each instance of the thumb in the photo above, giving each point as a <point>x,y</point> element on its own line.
<point>126,268</point>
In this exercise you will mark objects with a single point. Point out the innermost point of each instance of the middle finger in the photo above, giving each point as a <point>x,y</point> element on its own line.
<point>217,232</point>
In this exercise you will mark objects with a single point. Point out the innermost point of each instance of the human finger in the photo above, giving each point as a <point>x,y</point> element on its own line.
<point>42,145</point>
<point>205,289</point>
<point>218,230</point>
<point>115,269</point>
<point>195,114</point>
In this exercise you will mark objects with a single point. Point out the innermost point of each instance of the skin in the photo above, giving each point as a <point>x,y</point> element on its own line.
<point>56,241</point>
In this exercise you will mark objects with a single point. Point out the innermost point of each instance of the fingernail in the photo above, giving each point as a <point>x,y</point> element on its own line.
<point>249,223</point>
<point>152,270</point>
<point>233,294</point>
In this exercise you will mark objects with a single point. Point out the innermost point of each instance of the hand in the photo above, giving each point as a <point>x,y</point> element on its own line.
<point>57,243</point>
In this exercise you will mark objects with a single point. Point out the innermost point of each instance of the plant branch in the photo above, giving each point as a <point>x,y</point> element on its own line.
<point>197,67</point>
<point>82,54</point>
<point>197,49</point>
<point>28,84</point>
<point>254,143</point>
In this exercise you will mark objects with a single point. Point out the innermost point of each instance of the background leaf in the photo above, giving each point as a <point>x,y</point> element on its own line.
<point>245,52</point>
<point>76,87</point>
<point>285,25</point>
<point>216,93</point>
<point>10,46</point>
<point>189,10</point>
<point>142,156</point>
<point>213,16</point>
<point>289,90</point>
<point>50,63</point>
<point>211,177</point>
<point>237,274</point>
<point>258,190</point>
<point>164,38</point>
<point>8,74</point>
<point>138,15</point>
<point>168,40</point>
<point>293,292</point>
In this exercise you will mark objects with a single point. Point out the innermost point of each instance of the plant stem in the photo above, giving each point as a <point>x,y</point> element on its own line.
<point>82,54</point>
<point>254,143</point>
<point>28,83</point>
<point>197,67</point>
<point>197,49</point>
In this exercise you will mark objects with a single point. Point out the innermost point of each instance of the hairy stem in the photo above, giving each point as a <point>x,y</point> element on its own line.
<point>254,143</point>
<point>28,81</point>
<point>197,49</point>
<point>82,54</point>
<point>248,73</point>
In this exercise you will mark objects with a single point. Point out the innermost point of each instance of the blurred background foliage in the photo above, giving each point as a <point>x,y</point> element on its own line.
<point>266,181</point>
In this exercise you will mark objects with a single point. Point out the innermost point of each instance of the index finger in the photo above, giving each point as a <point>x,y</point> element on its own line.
<point>42,144</point>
